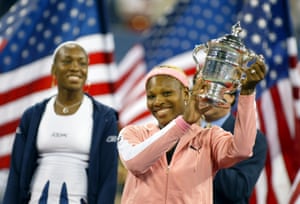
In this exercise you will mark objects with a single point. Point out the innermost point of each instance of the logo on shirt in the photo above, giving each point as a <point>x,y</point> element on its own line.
<point>111,138</point>
<point>120,138</point>
<point>58,134</point>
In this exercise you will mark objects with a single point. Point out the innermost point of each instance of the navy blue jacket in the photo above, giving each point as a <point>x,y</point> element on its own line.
<point>102,169</point>
<point>234,185</point>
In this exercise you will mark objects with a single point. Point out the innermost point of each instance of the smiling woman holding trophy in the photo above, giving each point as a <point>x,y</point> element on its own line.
<point>175,160</point>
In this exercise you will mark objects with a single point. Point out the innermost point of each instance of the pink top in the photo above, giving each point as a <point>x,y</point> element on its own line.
<point>198,155</point>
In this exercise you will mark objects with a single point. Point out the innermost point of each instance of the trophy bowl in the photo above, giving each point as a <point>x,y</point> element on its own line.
<point>223,69</point>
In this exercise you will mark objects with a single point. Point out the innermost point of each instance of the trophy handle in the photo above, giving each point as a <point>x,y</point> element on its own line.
<point>251,57</point>
<point>197,49</point>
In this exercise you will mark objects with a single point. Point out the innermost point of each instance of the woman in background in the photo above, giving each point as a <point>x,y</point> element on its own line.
<point>65,146</point>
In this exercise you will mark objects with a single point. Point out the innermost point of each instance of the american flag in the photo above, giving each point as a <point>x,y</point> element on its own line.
<point>268,31</point>
<point>29,33</point>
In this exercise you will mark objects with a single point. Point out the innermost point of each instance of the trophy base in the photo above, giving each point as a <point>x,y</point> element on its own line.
<point>213,101</point>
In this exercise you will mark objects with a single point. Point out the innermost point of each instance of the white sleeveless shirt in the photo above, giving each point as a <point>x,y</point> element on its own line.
<point>63,144</point>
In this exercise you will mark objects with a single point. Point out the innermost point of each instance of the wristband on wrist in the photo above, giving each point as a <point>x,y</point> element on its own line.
<point>247,91</point>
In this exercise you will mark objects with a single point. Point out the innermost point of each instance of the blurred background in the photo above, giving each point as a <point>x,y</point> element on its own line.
<point>130,19</point>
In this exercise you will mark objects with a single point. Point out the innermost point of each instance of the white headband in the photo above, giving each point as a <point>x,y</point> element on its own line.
<point>63,44</point>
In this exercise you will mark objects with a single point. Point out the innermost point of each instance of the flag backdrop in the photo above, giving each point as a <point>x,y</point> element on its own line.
<point>29,33</point>
<point>31,30</point>
<point>267,31</point>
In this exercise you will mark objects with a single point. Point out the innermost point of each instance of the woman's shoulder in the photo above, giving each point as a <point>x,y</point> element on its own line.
<point>146,128</point>
<point>99,105</point>
<point>38,106</point>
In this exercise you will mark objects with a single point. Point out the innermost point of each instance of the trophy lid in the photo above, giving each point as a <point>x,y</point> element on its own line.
<point>233,40</point>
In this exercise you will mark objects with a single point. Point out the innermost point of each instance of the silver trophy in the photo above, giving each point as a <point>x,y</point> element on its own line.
<point>225,61</point>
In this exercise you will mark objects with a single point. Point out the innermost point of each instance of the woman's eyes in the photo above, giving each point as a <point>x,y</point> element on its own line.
<point>150,96</point>
<point>67,62</point>
<point>83,63</point>
<point>165,94</point>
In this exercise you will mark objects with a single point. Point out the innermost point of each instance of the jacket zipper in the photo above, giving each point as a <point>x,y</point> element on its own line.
<point>167,183</point>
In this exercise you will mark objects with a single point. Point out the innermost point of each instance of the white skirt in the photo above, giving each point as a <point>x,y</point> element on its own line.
<point>55,182</point>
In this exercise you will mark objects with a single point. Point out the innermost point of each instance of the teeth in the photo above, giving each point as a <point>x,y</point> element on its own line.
<point>162,112</point>
<point>74,78</point>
